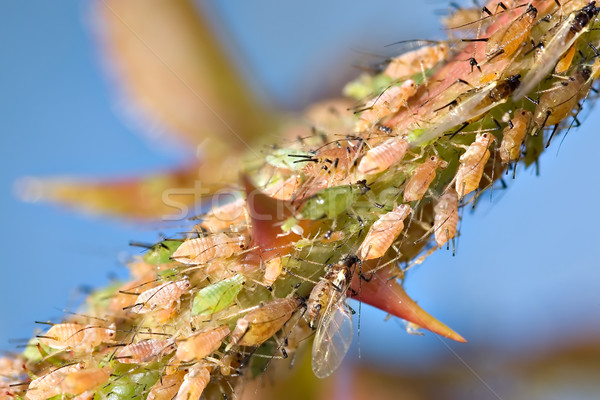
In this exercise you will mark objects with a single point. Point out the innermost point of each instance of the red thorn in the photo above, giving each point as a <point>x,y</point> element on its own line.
<point>385,293</point>
<point>266,214</point>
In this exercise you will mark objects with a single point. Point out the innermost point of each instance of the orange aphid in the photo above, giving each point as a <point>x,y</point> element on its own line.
<point>381,157</point>
<point>227,216</point>
<point>202,344</point>
<point>194,383</point>
<point>329,167</point>
<point>508,40</point>
<point>204,249</point>
<point>76,336</point>
<point>332,236</point>
<point>144,351</point>
<point>416,61</point>
<point>263,322</point>
<point>387,103</point>
<point>79,381</point>
<point>161,297</point>
<point>383,233</point>
<point>273,268</point>
<point>422,177</point>
<point>565,62</point>
<point>445,214</point>
<point>284,189</point>
<point>48,385</point>
<point>472,163</point>
<point>513,135</point>
<point>167,386</point>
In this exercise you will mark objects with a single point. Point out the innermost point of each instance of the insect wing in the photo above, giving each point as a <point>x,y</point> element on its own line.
<point>557,46</point>
<point>332,340</point>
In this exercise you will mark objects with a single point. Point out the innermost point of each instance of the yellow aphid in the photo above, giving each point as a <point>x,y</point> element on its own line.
<point>416,61</point>
<point>161,297</point>
<point>263,322</point>
<point>76,336</point>
<point>472,164</point>
<point>79,381</point>
<point>227,216</point>
<point>194,383</point>
<point>204,249</point>
<point>513,135</point>
<point>508,40</point>
<point>422,177</point>
<point>273,268</point>
<point>167,386</point>
<point>445,214</point>
<point>145,351</point>
<point>383,233</point>
<point>381,157</point>
<point>387,103</point>
<point>202,344</point>
<point>48,385</point>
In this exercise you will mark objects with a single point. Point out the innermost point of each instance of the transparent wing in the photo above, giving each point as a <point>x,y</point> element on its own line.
<point>555,48</point>
<point>332,340</point>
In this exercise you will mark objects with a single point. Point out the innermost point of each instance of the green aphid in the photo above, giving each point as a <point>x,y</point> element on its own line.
<point>32,352</point>
<point>160,252</point>
<point>289,224</point>
<point>130,385</point>
<point>366,85</point>
<point>218,296</point>
<point>330,202</point>
<point>287,159</point>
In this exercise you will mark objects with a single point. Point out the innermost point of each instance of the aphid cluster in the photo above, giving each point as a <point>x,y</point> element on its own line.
<point>329,215</point>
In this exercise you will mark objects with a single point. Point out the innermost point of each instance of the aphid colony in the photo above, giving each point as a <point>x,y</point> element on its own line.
<point>328,215</point>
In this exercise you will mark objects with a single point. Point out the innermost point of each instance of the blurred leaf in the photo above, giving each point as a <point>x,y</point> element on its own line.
<point>166,194</point>
<point>170,64</point>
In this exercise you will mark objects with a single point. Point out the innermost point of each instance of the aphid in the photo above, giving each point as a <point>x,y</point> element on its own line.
<point>472,164</point>
<point>416,61</point>
<point>48,385</point>
<point>565,36</point>
<point>284,189</point>
<point>263,322</point>
<point>226,217</point>
<point>144,351</point>
<point>556,103</point>
<point>76,336</point>
<point>161,297</point>
<point>469,107</point>
<point>380,158</point>
<point>506,41</point>
<point>445,214</point>
<point>387,103</point>
<point>422,177</point>
<point>328,312</point>
<point>514,135</point>
<point>383,232</point>
<point>218,296</point>
<point>81,380</point>
<point>565,62</point>
<point>194,383</point>
<point>328,167</point>
<point>273,268</point>
<point>204,249</point>
<point>167,386</point>
<point>202,344</point>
